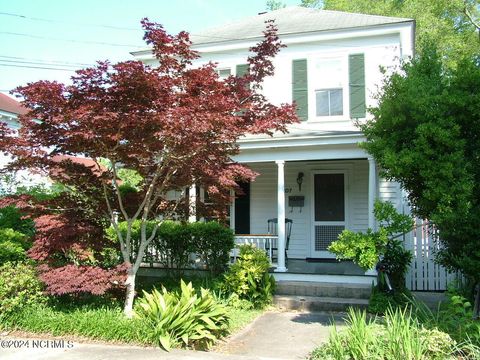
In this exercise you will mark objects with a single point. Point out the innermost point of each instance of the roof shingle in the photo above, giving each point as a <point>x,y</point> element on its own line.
<point>11,105</point>
<point>291,20</point>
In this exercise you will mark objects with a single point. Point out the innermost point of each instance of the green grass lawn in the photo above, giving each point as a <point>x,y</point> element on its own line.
<point>99,322</point>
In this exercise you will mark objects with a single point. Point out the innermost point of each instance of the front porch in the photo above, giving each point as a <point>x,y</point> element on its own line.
<point>324,185</point>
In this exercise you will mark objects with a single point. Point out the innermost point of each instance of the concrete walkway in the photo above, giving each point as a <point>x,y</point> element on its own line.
<point>282,335</point>
<point>274,335</point>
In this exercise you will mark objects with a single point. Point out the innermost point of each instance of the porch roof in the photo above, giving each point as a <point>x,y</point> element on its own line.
<point>302,145</point>
<point>301,137</point>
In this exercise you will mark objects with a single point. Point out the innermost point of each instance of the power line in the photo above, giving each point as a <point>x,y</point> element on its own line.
<point>105,26</point>
<point>46,61</point>
<point>37,63</point>
<point>70,40</point>
<point>70,23</point>
<point>36,67</point>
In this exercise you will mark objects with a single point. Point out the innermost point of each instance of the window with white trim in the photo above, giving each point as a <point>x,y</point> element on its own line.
<point>224,73</point>
<point>329,83</point>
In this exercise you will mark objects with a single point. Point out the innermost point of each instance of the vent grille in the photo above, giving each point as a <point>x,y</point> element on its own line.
<point>325,235</point>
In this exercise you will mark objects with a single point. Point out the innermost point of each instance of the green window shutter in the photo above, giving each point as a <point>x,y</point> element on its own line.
<point>242,69</point>
<point>356,68</point>
<point>300,87</point>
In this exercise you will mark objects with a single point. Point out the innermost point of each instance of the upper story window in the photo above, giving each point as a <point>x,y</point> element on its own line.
<point>329,88</point>
<point>328,82</point>
<point>224,73</point>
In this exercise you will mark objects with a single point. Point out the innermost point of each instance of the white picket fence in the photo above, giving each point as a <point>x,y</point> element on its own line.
<point>424,274</point>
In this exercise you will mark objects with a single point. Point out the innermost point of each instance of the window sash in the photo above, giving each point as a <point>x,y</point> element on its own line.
<point>329,102</point>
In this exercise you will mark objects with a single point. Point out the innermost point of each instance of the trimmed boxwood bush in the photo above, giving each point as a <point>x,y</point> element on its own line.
<point>213,243</point>
<point>176,241</point>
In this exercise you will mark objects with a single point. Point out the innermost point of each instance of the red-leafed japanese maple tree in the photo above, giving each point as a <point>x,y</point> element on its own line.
<point>174,123</point>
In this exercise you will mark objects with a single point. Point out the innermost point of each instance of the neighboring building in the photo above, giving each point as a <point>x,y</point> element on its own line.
<point>316,175</point>
<point>9,111</point>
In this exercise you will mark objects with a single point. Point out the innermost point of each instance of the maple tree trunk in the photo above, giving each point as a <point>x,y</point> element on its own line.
<point>130,293</point>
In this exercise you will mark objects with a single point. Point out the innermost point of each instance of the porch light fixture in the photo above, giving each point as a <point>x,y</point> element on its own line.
<point>300,180</point>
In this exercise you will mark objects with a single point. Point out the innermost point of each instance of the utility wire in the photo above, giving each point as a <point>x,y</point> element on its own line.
<point>70,23</point>
<point>105,26</point>
<point>38,63</point>
<point>56,62</point>
<point>70,40</point>
<point>36,67</point>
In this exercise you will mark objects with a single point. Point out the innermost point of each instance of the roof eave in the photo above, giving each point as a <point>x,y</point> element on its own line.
<point>147,53</point>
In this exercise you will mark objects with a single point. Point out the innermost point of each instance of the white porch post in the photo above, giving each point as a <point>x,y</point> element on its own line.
<point>281,216</point>
<point>372,193</point>
<point>192,204</point>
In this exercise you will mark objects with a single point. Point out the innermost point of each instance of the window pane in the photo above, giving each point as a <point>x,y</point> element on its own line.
<point>336,102</point>
<point>322,103</point>
<point>329,73</point>
<point>329,197</point>
<point>224,73</point>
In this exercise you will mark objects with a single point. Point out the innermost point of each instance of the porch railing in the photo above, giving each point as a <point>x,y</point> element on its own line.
<point>265,242</point>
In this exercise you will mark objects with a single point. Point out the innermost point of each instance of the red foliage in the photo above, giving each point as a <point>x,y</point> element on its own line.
<point>72,279</point>
<point>175,124</point>
<point>58,233</point>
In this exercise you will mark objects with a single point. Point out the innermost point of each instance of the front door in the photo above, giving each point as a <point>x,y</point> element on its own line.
<point>328,211</point>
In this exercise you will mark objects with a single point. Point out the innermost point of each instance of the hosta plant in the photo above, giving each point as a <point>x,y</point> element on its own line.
<point>185,318</point>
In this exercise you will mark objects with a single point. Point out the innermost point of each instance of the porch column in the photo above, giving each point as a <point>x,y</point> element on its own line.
<point>192,204</point>
<point>372,193</point>
<point>281,216</point>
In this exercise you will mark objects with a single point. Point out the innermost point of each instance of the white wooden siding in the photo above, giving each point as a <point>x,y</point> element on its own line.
<point>390,191</point>
<point>380,50</point>
<point>263,203</point>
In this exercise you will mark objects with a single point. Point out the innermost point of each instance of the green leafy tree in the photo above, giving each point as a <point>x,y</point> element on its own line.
<point>425,135</point>
<point>451,24</point>
<point>275,5</point>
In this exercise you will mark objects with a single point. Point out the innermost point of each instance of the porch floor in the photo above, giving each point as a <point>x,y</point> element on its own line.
<point>322,267</point>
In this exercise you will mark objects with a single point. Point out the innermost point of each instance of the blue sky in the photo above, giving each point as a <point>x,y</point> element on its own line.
<point>70,33</point>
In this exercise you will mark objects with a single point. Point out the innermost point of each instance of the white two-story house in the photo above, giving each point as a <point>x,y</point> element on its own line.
<point>316,175</point>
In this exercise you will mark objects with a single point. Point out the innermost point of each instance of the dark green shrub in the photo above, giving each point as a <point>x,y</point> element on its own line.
<point>456,318</point>
<point>249,277</point>
<point>182,318</point>
<point>11,218</point>
<point>15,234</point>
<point>396,260</point>
<point>213,243</point>
<point>381,301</point>
<point>19,288</point>
<point>175,241</point>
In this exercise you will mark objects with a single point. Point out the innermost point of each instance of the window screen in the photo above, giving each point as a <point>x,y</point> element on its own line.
<point>329,197</point>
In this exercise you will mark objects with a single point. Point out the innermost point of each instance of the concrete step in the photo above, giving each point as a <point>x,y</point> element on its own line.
<point>324,289</point>
<point>316,303</point>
